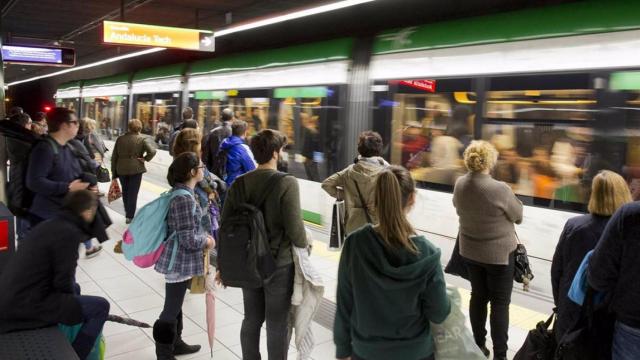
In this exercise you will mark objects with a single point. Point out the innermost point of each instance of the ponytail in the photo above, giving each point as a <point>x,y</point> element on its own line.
<point>393,190</point>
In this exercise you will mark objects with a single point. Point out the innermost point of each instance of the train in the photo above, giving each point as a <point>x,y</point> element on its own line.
<point>556,90</point>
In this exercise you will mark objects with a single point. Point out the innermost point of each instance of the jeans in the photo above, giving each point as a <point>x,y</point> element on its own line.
<point>173,300</point>
<point>271,303</point>
<point>491,284</point>
<point>626,342</point>
<point>130,188</point>
<point>95,310</point>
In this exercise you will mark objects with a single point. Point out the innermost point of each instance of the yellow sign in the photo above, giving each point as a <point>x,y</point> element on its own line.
<point>158,36</point>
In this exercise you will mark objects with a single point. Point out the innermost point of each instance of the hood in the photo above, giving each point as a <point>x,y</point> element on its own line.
<point>368,167</point>
<point>230,142</point>
<point>396,269</point>
<point>15,131</point>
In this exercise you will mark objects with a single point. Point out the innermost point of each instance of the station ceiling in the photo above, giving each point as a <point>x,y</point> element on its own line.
<point>77,23</point>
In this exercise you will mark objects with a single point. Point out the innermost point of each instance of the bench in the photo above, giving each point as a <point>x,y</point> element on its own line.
<point>40,344</point>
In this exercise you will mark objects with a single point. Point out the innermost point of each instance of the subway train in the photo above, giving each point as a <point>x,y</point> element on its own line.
<point>556,90</point>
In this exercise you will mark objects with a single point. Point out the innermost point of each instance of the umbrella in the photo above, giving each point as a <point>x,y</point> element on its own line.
<point>127,321</point>
<point>210,299</point>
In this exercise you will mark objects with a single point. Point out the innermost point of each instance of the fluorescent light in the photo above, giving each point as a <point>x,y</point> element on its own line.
<point>291,16</point>
<point>87,66</point>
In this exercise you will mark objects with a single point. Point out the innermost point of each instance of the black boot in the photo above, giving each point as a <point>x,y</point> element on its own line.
<point>180,347</point>
<point>164,333</point>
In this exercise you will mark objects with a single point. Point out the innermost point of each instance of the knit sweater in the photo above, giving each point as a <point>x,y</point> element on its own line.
<point>487,210</point>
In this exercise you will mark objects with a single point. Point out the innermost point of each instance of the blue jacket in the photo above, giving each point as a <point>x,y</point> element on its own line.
<point>239,158</point>
<point>49,176</point>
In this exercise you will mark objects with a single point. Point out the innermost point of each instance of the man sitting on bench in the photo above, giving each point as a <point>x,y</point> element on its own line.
<point>37,287</point>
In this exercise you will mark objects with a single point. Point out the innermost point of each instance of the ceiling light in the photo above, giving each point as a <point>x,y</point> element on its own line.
<point>291,16</point>
<point>87,66</point>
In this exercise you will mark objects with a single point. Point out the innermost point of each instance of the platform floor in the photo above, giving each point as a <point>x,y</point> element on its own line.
<point>138,293</point>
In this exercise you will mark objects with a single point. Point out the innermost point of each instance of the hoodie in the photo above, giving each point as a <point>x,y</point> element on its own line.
<point>387,298</point>
<point>362,172</point>
<point>239,158</point>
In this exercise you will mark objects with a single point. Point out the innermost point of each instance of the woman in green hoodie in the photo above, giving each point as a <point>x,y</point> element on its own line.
<point>390,281</point>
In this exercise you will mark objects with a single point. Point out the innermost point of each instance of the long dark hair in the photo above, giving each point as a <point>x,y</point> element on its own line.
<point>180,169</point>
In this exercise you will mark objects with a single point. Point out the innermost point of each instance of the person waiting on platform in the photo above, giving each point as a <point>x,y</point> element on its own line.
<point>39,126</point>
<point>372,321</point>
<point>239,157</point>
<point>609,191</point>
<point>38,282</point>
<point>184,219</point>
<point>357,181</point>
<point>487,210</point>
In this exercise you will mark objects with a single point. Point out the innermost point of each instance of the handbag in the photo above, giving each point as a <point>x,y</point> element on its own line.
<point>102,173</point>
<point>363,203</point>
<point>540,343</point>
<point>199,282</point>
<point>522,270</point>
<point>337,236</point>
<point>456,265</point>
<point>115,192</point>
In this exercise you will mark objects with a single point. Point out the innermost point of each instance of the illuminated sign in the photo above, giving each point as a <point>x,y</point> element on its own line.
<point>38,55</point>
<point>426,85</point>
<point>115,32</point>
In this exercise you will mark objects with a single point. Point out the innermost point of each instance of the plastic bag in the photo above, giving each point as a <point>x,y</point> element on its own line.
<point>99,348</point>
<point>452,339</point>
<point>115,192</point>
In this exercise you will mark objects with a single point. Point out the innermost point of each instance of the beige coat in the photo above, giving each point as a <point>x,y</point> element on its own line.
<point>363,172</point>
<point>130,148</point>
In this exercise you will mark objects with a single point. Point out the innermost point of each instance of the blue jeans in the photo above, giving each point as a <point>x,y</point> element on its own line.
<point>95,310</point>
<point>626,342</point>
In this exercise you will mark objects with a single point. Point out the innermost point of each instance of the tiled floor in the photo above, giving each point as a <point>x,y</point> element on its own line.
<point>138,293</point>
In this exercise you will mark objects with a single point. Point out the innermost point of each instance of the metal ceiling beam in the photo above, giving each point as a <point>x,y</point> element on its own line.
<point>8,6</point>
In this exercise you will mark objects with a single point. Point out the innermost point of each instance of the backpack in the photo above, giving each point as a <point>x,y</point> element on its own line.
<point>245,259</point>
<point>145,239</point>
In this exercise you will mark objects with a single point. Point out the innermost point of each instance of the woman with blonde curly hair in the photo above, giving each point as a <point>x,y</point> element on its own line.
<point>487,210</point>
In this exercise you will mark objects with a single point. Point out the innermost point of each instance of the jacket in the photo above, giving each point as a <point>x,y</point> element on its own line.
<point>580,235</point>
<point>614,265</point>
<point>212,143</point>
<point>38,282</point>
<point>308,290</point>
<point>190,239</point>
<point>363,172</point>
<point>49,176</point>
<point>387,297</point>
<point>281,211</point>
<point>94,144</point>
<point>19,143</point>
<point>129,148</point>
<point>239,158</point>
<point>487,210</point>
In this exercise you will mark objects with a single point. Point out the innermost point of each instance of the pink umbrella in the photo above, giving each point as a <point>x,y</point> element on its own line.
<point>210,298</point>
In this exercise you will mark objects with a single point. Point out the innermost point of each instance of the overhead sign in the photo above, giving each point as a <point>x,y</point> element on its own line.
<point>38,55</point>
<point>115,32</point>
<point>426,85</point>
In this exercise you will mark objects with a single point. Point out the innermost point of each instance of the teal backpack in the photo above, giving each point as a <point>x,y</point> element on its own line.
<point>145,239</point>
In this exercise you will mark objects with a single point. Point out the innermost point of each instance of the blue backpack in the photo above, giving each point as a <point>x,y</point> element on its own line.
<point>145,239</point>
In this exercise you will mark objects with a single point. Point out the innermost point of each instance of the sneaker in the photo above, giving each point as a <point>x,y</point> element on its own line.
<point>485,351</point>
<point>128,221</point>
<point>118,248</point>
<point>93,251</point>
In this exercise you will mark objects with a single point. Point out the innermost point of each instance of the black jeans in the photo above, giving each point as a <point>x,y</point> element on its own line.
<point>130,190</point>
<point>271,302</point>
<point>491,284</point>
<point>173,300</point>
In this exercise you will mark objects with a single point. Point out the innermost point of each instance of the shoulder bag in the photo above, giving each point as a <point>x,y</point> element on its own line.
<point>363,203</point>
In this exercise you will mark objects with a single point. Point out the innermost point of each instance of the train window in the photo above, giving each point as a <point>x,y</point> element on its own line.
<point>541,105</point>
<point>432,122</point>
<point>109,112</point>
<point>249,105</point>
<point>69,103</point>
<point>157,112</point>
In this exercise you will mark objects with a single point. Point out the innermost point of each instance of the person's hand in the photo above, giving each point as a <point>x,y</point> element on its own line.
<point>212,196</point>
<point>219,279</point>
<point>77,184</point>
<point>210,242</point>
<point>141,160</point>
<point>94,188</point>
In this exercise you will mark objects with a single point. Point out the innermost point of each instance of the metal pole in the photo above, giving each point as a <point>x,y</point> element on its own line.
<point>3,144</point>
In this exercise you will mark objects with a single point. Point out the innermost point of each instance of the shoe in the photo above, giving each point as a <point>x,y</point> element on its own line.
<point>93,251</point>
<point>118,247</point>
<point>128,221</point>
<point>485,351</point>
<point>164,333</point>
<point>179,346</point>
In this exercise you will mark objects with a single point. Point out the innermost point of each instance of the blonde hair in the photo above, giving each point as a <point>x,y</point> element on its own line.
<point>135,125</point>
<point>609,191</point>
<point>480,155</point>
<point>187,140</point>
<point>393,190</point>
<point>88,124</point>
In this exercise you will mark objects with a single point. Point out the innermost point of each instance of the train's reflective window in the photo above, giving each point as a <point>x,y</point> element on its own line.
<point>541,105</point>
<point>70,103</point>
<point>158,113</point>
<point>109,112</point>
<point>430,129</point>
<point>253,109</point>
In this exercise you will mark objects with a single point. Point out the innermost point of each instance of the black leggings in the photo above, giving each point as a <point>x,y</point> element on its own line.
<point>174,297</point>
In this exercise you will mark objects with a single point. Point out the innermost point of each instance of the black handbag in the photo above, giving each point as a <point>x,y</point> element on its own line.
<point>102,173</point>
<point>540,343</point>
<point>456,265</point>
<point>522,270</point>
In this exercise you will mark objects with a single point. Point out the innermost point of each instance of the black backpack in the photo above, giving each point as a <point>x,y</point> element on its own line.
<point>245,259</point>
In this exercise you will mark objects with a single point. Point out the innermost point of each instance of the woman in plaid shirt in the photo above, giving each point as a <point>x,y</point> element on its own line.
<point>185,219</point>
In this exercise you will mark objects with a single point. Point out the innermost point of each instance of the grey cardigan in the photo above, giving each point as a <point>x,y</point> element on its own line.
<point>487,210</point>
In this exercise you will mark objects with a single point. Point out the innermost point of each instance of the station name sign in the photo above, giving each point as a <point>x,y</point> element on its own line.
<point>426,85</point>
<point>38,55</point>
<point>115,32</point>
